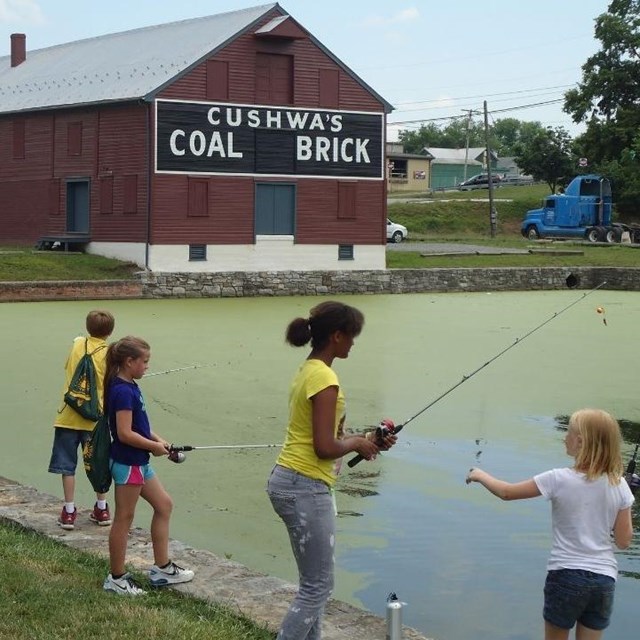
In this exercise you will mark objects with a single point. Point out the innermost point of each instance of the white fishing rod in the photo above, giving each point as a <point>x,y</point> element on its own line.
<point>176,451</point>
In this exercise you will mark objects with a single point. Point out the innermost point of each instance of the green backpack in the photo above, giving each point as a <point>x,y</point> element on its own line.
<point>95,455</point>
<point>82,394</point>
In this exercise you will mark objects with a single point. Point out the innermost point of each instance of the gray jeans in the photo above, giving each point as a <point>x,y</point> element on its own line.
<point>306,508</point>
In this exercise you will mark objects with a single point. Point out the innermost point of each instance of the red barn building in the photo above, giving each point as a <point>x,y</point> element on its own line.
<point>225,143</point>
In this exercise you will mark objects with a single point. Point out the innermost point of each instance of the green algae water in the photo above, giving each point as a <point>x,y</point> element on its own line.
<point>467,564</point>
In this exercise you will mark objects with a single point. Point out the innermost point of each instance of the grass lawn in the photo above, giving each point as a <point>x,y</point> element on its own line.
<point>51,592</point>
<point>23,264</point>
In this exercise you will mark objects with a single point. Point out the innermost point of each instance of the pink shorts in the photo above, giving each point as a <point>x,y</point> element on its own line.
<point>131,474</point>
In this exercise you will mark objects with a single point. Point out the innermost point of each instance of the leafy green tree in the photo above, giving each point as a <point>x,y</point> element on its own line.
<point>606,100</point>
<point>504,135</point>
<point>508,133</point>
<point>451,136</point>
<point>547,157</point>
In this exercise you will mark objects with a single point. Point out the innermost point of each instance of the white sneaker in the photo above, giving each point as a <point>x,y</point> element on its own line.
<point>124,586</point>
<point>171,574</point>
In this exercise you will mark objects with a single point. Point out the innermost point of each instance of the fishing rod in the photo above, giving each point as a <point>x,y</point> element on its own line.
<point>387,428</point>
<point>176,451</point>
<point>162,373</point>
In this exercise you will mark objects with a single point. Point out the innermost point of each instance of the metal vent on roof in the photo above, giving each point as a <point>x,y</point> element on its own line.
<point>197,252</point>
<point>345,252</point>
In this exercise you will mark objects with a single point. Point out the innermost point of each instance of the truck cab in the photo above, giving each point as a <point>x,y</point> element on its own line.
<point>582,211</point>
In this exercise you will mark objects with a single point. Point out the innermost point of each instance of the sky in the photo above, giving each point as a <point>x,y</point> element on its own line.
<point>432,60</point>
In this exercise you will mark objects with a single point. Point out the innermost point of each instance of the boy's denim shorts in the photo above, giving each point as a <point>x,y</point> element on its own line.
<point>64,454</point>
<point>576,595</point>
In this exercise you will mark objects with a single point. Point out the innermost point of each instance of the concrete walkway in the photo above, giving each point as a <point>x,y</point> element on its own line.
<point>261,598</point>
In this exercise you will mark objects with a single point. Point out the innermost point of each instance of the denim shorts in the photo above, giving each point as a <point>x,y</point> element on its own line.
<point>64,453</point>
<point>131,474</point>
<point>576,595</point>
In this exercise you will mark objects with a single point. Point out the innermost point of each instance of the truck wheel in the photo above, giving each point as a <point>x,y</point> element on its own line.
<point>532,233</point>
<point>593,234</point>
<point>613,235</point>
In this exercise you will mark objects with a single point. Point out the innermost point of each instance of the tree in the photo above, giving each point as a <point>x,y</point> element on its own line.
<point>606,100</point>
<point>547,157</point>
<point>504,135</point>
<point>508,133</point>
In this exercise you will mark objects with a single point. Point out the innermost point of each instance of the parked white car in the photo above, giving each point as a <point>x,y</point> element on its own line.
<point>395,232</point>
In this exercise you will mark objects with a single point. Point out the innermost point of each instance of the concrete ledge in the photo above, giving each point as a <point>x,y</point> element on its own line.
<point>261,598</point>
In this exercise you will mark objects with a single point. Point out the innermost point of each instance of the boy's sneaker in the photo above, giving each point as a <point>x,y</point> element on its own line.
<point>67,520</point>
<point>101,517</point>
<point>124,586</point>
<point>171,574</point>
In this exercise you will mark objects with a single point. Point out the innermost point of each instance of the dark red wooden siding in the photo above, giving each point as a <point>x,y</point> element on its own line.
<point>109,142</point>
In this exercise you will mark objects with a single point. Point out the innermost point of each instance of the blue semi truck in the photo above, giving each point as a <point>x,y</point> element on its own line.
<point>582,211</point>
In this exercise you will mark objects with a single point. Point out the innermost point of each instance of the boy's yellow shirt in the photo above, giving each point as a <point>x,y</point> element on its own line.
<point>67,417</point>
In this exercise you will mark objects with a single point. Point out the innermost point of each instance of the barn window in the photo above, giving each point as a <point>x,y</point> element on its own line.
<point>130,194</point>
<point>274,78</point>
<point>106,195</point>
<point>74,138</point>
<point>198,197</point>
<point>217,80</point>
<point>18,139</point>
<point>345,252</point>
<point>197,252</point>
<point>329,88</point>
<point>347,195</point>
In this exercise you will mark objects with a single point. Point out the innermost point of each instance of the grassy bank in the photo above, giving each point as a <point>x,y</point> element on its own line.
<point>51,592</point>
<point>22,264</point>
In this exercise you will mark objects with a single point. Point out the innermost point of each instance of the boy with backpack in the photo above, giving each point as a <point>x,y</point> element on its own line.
<point>81,407</point>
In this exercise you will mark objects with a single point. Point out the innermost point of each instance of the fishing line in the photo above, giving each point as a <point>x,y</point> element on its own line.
<point>571,281</point>
<point>162,373</point>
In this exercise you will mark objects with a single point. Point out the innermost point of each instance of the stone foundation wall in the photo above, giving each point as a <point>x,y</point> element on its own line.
<point>294,283</point>
<point>312,283</point>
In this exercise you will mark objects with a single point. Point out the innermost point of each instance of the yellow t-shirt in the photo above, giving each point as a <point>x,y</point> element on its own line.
<point>67,417</point>
<point>297,452</point>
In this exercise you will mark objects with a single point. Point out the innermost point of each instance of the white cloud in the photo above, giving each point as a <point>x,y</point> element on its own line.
<point>21,12</point>
<point>406,15</point>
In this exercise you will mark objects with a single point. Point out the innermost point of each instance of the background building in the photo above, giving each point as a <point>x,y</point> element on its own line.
<point>231,142</point>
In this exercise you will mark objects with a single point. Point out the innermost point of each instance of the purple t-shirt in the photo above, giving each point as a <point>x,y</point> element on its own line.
<point>124,395</point>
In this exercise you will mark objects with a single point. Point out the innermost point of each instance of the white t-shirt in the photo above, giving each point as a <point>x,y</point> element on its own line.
<point>582,516</point>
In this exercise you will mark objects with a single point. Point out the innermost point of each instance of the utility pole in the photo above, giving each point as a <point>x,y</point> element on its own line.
<point>493,216</point>
<point>466,149</point>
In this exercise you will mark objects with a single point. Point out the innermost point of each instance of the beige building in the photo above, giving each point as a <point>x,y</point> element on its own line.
<point>407,171</point>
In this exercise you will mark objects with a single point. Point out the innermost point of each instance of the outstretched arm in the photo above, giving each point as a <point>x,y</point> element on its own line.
<point>504,490</point>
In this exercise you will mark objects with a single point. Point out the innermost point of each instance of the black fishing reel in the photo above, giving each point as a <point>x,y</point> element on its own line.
<point>632,478</point>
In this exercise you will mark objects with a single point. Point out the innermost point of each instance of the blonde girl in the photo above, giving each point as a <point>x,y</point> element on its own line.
<point>590,504</point>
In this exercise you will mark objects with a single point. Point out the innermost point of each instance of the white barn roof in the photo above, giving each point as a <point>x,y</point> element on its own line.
<point>124,66</point>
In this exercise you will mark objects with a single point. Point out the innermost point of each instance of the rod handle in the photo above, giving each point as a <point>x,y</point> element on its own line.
<point>184,447</point>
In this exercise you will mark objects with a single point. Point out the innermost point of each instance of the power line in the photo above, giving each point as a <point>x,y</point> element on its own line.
<point>504,110</point>
<point>490,95</point>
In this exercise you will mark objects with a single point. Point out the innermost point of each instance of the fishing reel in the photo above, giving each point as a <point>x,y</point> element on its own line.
<point>384,429</point>
<point>632,478</point>
<point>176,456</point>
